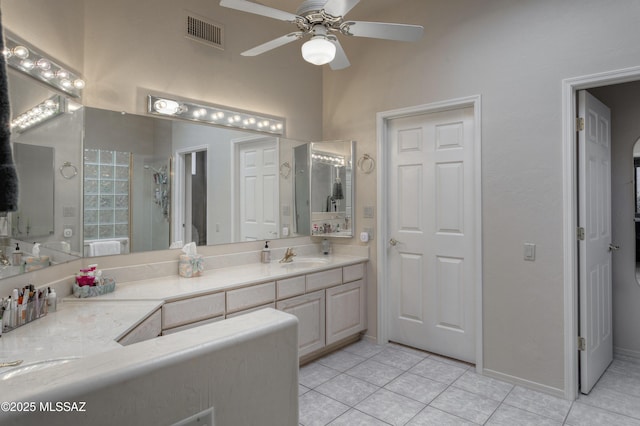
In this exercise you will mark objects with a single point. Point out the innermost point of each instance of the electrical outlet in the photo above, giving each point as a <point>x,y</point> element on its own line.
<point>369,231</point>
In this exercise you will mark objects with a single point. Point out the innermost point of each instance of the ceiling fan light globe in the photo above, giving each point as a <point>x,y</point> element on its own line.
<point>318,51</point>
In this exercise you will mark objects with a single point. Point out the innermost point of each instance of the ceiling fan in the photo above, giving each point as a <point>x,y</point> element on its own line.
<point>323,20</point>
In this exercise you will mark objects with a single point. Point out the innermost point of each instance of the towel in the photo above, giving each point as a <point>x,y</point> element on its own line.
<point>104,248</point>
<point>8,173</point>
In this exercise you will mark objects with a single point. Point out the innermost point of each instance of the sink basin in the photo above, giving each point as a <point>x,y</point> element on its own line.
<point>306,262</point>
<point>34,366</point>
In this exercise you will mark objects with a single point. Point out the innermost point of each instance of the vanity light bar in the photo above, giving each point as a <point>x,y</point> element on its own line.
<point>28,60</point>
<point>214,115</point>
<point>334,160</point>
<point>40,113</point>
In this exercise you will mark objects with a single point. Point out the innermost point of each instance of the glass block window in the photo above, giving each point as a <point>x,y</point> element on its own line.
<point>106,194</point>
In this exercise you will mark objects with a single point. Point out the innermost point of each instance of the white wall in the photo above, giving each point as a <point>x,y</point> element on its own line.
<point>624,101</point>
<point>136,48</point>
<point>515,54</point>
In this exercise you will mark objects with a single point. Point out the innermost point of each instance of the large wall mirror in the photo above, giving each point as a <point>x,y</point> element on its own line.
<point>117,183</point>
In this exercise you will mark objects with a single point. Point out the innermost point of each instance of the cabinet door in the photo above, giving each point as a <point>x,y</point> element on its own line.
<point>346,314</point>
<point>311,314</point>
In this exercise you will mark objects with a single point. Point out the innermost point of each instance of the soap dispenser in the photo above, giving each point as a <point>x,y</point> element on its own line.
<point>17,256</point>
<point>265,256</point>
<point>326,246</point>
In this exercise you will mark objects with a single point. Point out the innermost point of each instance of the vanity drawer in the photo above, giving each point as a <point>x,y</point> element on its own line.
<point>324,279</point>
<point>192,310</point>
<point>192,325</point>
<point>290,287</point>
<point>353,272</point>
<point>150,328</point>
<point>248,297</point>
<point>246,311</point>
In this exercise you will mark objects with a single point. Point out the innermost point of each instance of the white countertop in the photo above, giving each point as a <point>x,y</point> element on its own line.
<point>176,287</point>
<point>83,327</point>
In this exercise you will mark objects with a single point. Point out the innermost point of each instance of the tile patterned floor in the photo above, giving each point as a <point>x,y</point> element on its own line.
<point>366,384</point>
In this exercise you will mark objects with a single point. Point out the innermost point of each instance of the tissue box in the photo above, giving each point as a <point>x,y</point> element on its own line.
<point>32,263</point>
<point>108,286</point>
<point>190,265</point>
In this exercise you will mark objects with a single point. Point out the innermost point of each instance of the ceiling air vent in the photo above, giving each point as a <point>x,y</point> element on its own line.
<point>204,30</point>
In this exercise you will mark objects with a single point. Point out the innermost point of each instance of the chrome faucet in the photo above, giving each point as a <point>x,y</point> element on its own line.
<point>288,256</point>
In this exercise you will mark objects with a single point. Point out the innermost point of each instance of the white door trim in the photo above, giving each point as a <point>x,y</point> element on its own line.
<point>570,87</point>
<point>177,190</point>
<point>382,119</point>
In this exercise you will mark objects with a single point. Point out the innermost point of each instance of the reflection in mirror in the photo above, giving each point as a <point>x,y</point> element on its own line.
<point>34,218</point>
<point>331,183</point>
<point>49,202</point>
<point>223,185</point>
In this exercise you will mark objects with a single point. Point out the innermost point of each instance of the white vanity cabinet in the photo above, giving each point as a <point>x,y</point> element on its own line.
<point>331,309</point>
<point>329,304</point>
<point>310,310</point>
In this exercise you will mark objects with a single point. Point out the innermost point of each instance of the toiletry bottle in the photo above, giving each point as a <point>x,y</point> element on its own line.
<point>265,256</point>
<point>326,246</point>
<point>52,300</point>
<point>17,256</point>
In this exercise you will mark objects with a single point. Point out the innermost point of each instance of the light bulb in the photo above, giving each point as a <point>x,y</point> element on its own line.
<point>21,52</point>
<point>27,64</point>
<point>78,83</point>
<point>318,51</point>
<point>48,74</point>
<point>43,64</point>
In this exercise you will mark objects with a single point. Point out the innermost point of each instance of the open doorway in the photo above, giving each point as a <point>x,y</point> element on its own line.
<point>620,91</point>
<point>190,222</point>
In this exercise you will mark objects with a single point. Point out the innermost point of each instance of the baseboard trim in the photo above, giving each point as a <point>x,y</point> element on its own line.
<point>626,352</point>
<point>524,383</point>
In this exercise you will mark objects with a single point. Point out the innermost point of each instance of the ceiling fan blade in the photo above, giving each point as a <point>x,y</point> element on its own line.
<point>339,7</point>
<point>398,32</point>
<point>270,45</point>
<point>340,61</point>
<point>258,9</point>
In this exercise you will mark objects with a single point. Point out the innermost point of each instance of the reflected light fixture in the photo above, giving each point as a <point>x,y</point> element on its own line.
<point>210,114</point>
<point>25,58</point>
<point>44,111</point>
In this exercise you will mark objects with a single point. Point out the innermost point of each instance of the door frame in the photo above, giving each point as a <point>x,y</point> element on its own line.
<point>570,88</point>
<point>177,232</point>
<point>382,120</point>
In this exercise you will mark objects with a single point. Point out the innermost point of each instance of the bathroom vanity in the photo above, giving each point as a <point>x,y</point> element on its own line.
<point>247,325</point>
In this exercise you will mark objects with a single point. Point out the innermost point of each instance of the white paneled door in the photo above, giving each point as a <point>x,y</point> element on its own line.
<point>431,217</point>
<point>259,193</point>
<point>595,245</point>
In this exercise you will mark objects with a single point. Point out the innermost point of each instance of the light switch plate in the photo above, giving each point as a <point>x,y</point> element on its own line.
<point>529,252</point>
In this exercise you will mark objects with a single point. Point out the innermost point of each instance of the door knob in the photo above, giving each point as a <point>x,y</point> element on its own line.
<point>393,241</point>
<point>613,247</point>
